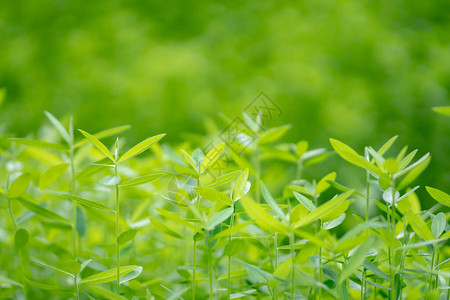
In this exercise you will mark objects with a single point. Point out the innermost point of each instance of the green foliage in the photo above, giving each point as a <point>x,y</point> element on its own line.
<point>168,225</point>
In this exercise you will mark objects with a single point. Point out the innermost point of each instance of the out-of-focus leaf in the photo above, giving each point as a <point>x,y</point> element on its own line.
<point>439,196</point>
<point>51,174</point>
<point>107,276</point>
<point>419,226</point>
<point>19,186</point>
<point>212,156</point>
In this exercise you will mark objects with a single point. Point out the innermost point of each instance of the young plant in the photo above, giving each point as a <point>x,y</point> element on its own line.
<point>114,180</point>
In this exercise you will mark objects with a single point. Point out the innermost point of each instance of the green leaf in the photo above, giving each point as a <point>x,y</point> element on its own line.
<point>59,127</point>
<point>262,217</point>
<point>414,173</point>
<point>218,218</point>
<point>439,196</point>
<point>142,179</point>
<point>19,186</point>
<point>81,221</point>
<point>443,110</point>
<point>273,134</point>
<point>107,276</point>
<point>240,185</point>
<point>39,144</point>
<point>301,148</point>
<point>163,228</point>
<point>47,287</point>
<point>323,210</point>
<point>352,157</point>
<point>110,180</point>
<point>323,184</point>
<point>39,210</point>
<point>21,238</point>
<point>234,247</point>
<point>212,156</point>
<point>375,270</point>
<point>189,160</point>
<point>88,203</point>
<point>419,162</point>
<point>334,223</point>
<point>391,165</point>
<point>272,203</point>
<point>231,230</point>
<point>438,225</point>
<point>419,226</point>
<point>357,259</point>
<point>104,133</point>
<point>126,236</point>
<point>222,179</point>
<point>308,204</point>
<point>51,174</point>
<point>141,147</point>
<point>99,145</point>
<point>37,262</point>
<point>387,145</point>
<point>213,195</point>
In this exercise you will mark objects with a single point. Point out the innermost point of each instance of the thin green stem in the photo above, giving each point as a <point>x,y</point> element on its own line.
<point>275,246</point>
<point>74,205</point>
<point>11,215</point>
<point>430,281</point>
<point>291,242</point>
<point>391,251</point>
<point>193,271</point>
<point>229,258</point>
<point>117,231</point>
<point>210,269</point>
<point>77,293</point>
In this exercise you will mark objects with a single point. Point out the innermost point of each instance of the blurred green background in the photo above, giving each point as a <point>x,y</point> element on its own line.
<point>358,71</point>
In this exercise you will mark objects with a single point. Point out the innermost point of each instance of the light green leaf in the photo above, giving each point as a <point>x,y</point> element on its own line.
<point>301,148</point>
<point>357,259</point>
<point>81,221</point>
<point>351,156</point>
<point>212,156</point>
<point>273,204</point>
<point>47,287</point>
<point>222,179</point>
<point>189,160</point>
<point>141,147</point>
<point>443,110</point>
<point>414,173</point>
<point>88,203</point>
<point>334,223</point>
<point>39,210</point>
<point>438,225</point>
<point>21,238</point>
<point>104,133</point>
<point>419,226</point>
<point>107,276</point>
<point>19,186</point>
<point>142,179</point>
<point>231,230</point>
<point>234,247</point>
<point>323,210</point>
<point>163,228</point>
<point>39,144</point>
<point>387,145</point>
<point>240,185</point>
<point>439,196</point>
<point>218,218</point>
<point>59,127</point>
<point>51,174</point>
<point>262,217</point>
<point>213,195</point>
<point>110,180</point>
<point>273,134</point>
<point>308,204</point>
<point>323,184</point>
<point>126,236</point>
<point>96,142</point>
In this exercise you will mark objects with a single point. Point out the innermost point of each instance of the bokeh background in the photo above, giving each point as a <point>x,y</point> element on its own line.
<point>358,71</point>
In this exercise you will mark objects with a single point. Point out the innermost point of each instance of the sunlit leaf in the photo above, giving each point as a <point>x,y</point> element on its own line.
<point>141,147</point>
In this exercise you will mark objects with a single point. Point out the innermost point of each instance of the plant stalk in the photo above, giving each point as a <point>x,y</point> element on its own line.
<point>291,242</point>
<point>117,230</point>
